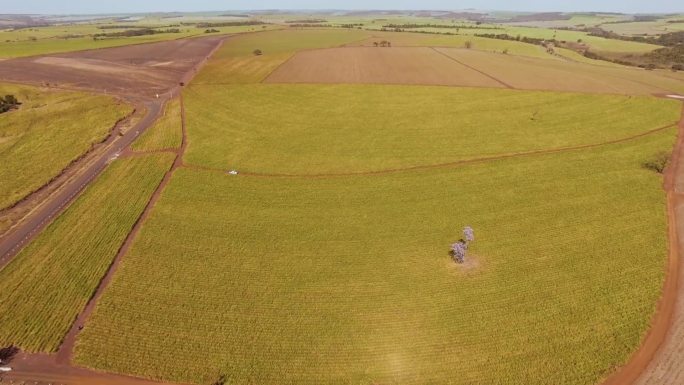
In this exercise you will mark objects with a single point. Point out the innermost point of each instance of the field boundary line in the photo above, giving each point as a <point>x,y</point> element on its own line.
<point>473,68</point>
<point>439,165</point>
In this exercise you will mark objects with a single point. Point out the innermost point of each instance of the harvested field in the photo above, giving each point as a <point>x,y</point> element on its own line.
<point>417,65</point>
<point>469,68</point>
<point>530,73</point>
<point>144,69</point>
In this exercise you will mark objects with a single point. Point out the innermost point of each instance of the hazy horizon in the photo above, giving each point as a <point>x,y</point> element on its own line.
<point>128,6</point>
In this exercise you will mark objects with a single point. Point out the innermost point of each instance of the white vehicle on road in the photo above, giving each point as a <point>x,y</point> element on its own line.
<point>5,369</point>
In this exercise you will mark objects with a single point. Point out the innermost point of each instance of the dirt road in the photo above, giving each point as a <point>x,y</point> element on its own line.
<point>660,358</point>
<point>56,369</point>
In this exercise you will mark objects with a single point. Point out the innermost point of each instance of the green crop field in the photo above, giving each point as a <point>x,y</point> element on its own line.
<point>50,130</point>
<point>325,260</point>
<point>166,132</point>
<point>348,279</point>
<point>428,125</point>
<point>51,280</point>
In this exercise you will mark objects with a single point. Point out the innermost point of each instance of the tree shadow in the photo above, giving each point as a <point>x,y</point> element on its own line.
<point>7,354</point>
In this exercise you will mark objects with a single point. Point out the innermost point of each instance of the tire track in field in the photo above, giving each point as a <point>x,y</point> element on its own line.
<point>439,165</point>
<point>474,68</point>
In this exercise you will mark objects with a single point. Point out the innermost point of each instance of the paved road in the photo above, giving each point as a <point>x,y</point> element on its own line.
<point>16,239</point>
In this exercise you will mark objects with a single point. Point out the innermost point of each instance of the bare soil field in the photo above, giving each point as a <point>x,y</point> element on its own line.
<point>369,65</point>
<point>145,69</point>
<point>463,67</point>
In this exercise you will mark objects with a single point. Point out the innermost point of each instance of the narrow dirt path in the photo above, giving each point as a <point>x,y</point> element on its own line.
<point>66,350</point>
<point>439,165</point>
<point>57,368</point>
<point>665,358</point>
<point>660,358</point>
<point>12,242</point>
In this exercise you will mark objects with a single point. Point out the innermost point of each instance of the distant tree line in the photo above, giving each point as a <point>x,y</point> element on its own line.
<point>307,25</point>
<point>524,39</point>
<point>135,32</point>
<point>447,26</point>
<point>667,39</point>
<point>9,102</point>
<point>306,21</point>
<point>227,24</point>
<point>125,26</point>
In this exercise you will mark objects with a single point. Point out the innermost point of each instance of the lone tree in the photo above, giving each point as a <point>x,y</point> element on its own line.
<point>460,248</point>
<point>257,52</point>
<point>458,251</point>
<point>468,234</point>
<point>468,44</point>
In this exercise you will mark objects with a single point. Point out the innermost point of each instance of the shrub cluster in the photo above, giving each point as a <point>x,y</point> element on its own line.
<point>9,102</point>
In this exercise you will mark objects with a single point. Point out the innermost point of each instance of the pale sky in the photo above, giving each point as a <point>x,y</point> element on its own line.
<point>129,6</point>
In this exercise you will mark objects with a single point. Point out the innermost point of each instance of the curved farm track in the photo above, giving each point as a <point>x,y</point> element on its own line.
<point>439,165</point>
<point>661,359</point>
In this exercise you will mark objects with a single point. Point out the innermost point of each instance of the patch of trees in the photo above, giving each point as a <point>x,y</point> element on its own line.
<point>125,26</point>
<point>383,43</point>
<point>233,15</point>
<point>211,30</point>
<point>667,39</point>
<point>524,39</point>
<point>459,250</point>
<point>658,163</point>
<point>668,55</point>
<point>135,32</point>
<point>230,24</point>
<point>677,21</point>
<point>308,25</point>
<point>9,102</point>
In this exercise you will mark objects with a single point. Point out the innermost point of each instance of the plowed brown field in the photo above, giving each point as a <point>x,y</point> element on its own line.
<point>368,65</point>
<point>463,67</point>
<point>144,70</point>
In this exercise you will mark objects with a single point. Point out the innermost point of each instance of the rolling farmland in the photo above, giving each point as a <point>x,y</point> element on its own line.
<point>55,275</point>
<point>288,217</point>
<point>51,129</point>
<point>340,280</point>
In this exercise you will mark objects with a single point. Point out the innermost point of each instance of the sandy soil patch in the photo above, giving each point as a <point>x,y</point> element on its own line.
<point>370,65</point>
